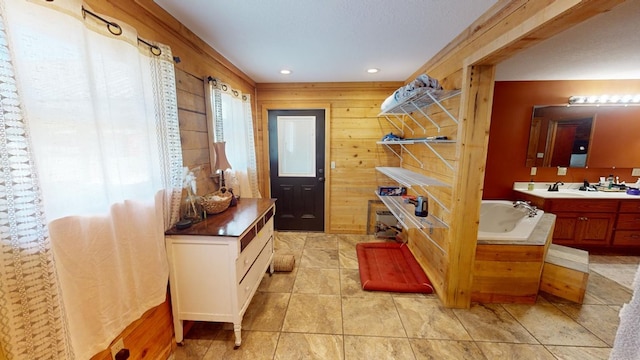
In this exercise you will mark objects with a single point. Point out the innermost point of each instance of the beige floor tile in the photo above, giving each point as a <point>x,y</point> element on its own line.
<point>317,281</point>
<point>320,258</point>
<point>289,240</point>
<point>321,241</point>
<point>192,349</point>
<point>613,259</point>
<point>314,314</point>
<point>299,315</point>
<point>256,345</point>
<point>491,322</point>
<point>266,312</point>
<point>607,291</point>
<point>425,349</point>
<point>623,274</point>
<point>348,258</point>
<point>374,316</point>
<point>601,320</point>
<point>309,347</point>
<point>368,348</point>
<point>515,351</point>
<point>550,326</point>
<point>579,353</point>
<point>428,319</point>
<point>279,282</point>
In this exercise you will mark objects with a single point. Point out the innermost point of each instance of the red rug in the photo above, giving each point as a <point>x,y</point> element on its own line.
<point>391,267</point>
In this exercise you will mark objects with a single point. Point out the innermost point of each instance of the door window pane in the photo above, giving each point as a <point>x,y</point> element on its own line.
<point>296,146</point>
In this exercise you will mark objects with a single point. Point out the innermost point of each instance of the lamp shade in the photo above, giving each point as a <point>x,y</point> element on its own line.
<point>221,162</point>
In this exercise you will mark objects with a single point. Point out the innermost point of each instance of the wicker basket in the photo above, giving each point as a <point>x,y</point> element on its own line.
<point>283,263</point>
<point>216,202</point>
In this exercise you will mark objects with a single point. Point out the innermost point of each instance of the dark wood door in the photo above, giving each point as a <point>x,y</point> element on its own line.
<point>296,158</point>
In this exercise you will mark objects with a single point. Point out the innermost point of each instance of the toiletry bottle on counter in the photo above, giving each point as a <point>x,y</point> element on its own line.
<point>531,185</point>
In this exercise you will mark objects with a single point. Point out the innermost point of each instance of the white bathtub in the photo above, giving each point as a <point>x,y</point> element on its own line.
<point>500,221</point>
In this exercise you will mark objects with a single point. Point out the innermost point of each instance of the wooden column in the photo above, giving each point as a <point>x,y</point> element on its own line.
<point>473,136</point>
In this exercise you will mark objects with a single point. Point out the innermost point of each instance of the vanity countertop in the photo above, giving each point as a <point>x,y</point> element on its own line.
<point>570,191</point>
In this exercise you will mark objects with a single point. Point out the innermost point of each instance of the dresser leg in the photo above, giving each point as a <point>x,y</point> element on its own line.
<point>236,330</point>
<point>178,329</point>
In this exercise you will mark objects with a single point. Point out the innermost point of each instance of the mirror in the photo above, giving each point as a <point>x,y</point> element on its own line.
<point>584,136</point>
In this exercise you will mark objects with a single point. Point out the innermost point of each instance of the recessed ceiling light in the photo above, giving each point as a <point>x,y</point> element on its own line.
<point>285,72</point>
<point>372,70</point>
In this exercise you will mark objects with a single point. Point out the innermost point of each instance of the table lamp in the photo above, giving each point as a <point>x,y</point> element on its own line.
<point>221,163</point>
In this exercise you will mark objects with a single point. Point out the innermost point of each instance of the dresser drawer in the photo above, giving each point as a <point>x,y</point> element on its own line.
<point>628,222</point>
<point>250,253</point>
<point>630,206</point>
<point>627,238</point>
<point>581,205</point>
<point>253,277</point>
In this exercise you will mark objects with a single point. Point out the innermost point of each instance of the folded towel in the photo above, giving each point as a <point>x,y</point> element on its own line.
<point>418,86</point>
<point>389,102</point>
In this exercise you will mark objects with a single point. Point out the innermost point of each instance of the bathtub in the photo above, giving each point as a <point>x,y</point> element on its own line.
<point>501,222</point>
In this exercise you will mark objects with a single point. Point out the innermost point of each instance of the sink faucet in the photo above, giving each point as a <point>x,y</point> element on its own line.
<point>532,210</point>
<point>554,187</point>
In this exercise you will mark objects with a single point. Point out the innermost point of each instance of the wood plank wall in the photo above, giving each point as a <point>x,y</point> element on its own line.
<point>150,337</point>
<point>355,128</point>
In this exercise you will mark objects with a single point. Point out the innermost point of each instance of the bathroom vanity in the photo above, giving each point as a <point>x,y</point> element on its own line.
<point>215,266</point>
<point>591,220</point>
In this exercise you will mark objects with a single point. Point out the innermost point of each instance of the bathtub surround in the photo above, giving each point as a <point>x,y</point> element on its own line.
<point>508,269</point>
<point>565,273</point>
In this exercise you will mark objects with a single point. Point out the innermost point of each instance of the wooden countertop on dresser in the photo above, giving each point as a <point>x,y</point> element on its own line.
<point>232,222</point>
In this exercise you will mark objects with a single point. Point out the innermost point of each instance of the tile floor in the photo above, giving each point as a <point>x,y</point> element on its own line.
<point>318,311</point>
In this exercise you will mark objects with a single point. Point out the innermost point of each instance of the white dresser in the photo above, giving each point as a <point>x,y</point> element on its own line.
<point>215,266</point>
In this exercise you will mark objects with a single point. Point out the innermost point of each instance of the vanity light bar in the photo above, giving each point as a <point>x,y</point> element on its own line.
<point>605,99</point>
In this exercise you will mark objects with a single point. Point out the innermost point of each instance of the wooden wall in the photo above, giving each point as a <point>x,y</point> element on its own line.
<point>509,134</point>
<point>351,143</point>
<point>150,337</point>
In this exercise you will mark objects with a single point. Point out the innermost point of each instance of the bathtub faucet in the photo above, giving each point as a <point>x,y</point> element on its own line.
<point>533,211</point>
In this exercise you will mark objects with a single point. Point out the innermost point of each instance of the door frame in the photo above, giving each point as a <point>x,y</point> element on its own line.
<point>264,111</point>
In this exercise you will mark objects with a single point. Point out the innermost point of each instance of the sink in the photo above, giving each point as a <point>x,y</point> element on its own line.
<point>561,193</point>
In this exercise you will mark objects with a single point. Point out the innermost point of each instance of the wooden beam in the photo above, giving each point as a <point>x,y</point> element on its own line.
<point>509,27</point>
<point>473,137</point>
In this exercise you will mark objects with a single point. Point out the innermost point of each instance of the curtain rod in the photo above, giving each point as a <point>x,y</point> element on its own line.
<point>116,30</point>
<point>224,87</point>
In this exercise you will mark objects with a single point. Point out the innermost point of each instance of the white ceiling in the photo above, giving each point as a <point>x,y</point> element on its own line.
<point>604,47</point>
<point>337,40</point>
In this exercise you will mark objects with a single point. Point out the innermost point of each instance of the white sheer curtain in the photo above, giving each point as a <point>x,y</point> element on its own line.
<point>100,110</point>
<point>233,124</point>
